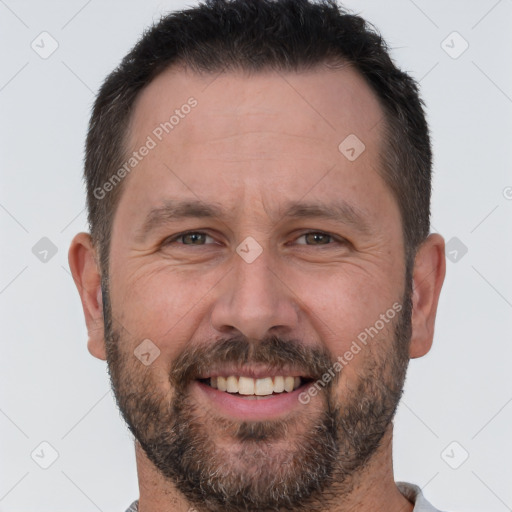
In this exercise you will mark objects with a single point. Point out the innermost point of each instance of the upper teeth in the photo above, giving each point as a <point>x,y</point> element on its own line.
<point>260,387</point>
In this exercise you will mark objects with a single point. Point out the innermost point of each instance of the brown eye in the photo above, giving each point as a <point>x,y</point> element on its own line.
<point>193,238</point>
<point>190,238</point>
<point>315,238</point>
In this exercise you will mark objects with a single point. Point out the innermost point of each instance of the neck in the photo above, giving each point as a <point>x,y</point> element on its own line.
<point>374,488</point>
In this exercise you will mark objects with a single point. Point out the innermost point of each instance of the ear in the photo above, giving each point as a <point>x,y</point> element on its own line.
<point>84,268</point>
<point>428,277</point>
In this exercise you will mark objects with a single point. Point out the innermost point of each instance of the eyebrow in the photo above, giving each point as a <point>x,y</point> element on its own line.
<point>339,211</point>
<point>175,210</point>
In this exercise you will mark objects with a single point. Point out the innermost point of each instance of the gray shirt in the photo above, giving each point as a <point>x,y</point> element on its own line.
<point>411,492</point>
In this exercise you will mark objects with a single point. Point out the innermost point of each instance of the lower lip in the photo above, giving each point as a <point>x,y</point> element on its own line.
<point>261,408</point>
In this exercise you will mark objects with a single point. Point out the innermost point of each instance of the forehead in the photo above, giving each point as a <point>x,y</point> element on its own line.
<point>269,134</point>
<point>321,101</point>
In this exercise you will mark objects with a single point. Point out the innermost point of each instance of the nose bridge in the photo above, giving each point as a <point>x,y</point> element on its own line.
<point>255,283</point>
<point>253,299</point>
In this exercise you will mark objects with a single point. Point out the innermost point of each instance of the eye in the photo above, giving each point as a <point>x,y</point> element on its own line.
<point>189,238</point>
<point>202,238</point>
<point>315,238</point>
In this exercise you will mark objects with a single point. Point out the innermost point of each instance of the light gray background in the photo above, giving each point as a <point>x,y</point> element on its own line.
<point>51,388</point>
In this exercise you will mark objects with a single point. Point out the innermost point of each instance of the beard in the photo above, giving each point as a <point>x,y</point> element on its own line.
<point>305,462</point>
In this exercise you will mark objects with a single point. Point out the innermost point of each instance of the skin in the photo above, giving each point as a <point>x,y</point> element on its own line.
<point>251,144</point>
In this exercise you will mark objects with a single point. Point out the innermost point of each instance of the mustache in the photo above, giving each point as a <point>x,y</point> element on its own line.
<point>273,351</point>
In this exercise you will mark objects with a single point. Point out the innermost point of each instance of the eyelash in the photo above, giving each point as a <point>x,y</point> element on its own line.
<point>334,238</point>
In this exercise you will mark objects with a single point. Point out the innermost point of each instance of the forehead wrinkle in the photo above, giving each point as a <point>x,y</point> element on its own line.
<point>263,133</point>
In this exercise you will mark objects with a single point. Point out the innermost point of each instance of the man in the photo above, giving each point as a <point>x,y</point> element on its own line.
<point>260,269</point>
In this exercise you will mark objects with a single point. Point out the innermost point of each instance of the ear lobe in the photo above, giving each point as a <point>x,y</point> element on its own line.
<point>83,264</point>
<point>428,277</point>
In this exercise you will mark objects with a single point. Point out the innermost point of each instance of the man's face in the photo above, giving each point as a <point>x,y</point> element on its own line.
<point>302,257</point>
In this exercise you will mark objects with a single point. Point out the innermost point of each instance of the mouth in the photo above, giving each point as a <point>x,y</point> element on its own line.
<point>251,398</point>
<point>251,387</point>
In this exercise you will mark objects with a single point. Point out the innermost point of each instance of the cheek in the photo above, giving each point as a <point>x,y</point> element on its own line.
<point>344,305</point>
<point>161,304</point>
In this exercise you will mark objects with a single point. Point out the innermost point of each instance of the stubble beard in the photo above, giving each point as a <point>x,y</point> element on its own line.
<point>305,462</point>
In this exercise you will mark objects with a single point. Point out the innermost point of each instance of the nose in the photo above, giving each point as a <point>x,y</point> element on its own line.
<point>254,301</point>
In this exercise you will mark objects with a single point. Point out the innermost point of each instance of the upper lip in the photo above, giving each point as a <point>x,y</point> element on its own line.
<point>253,371</point>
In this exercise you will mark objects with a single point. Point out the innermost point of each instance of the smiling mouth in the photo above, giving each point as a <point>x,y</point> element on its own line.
<point>247,386</point>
